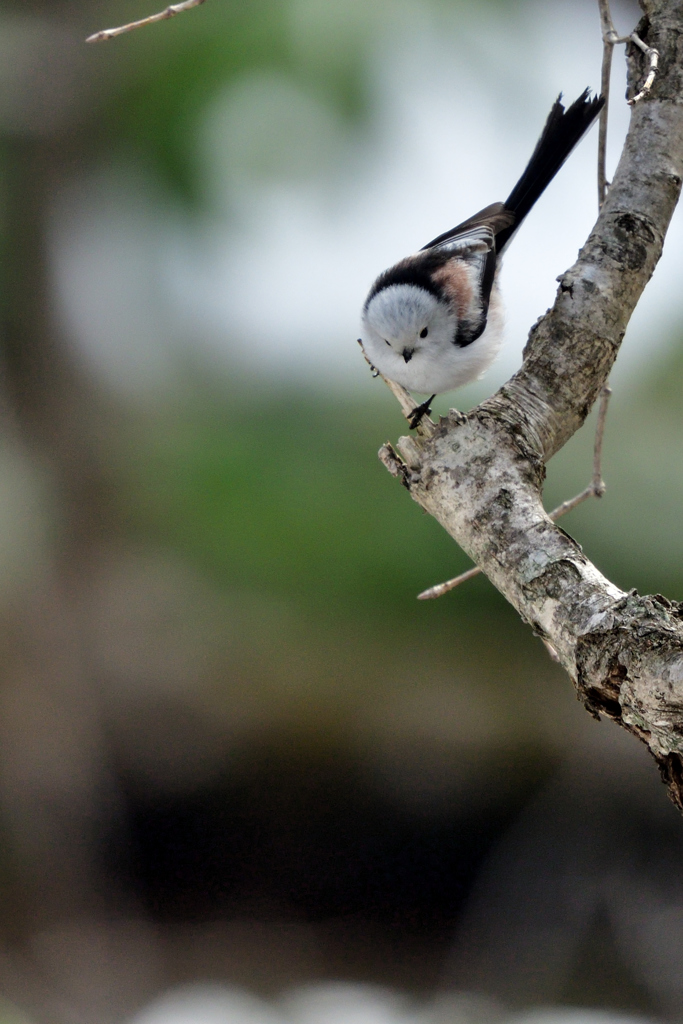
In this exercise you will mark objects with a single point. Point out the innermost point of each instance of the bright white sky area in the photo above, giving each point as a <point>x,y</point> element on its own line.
<point>304,210</point>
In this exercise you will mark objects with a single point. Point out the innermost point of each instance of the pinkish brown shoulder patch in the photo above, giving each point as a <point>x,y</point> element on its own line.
<point>454,278</point>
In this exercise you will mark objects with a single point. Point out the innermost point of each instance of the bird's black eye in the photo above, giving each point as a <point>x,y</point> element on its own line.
<point>387,342</point>
<point>424,332</point>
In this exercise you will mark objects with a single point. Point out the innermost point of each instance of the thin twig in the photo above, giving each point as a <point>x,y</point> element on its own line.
<point>595,489</point>
<point>598,482</point>
<point>170,12</point>
<point>608,35</point>
<point>653,56</point>
<point>442,588</point>
<point>609,40</point>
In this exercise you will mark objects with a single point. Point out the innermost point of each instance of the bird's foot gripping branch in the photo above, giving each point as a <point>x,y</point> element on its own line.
<point>481,475</point>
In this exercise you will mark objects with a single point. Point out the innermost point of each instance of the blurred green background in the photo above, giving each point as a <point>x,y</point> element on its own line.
<point>233,746</point>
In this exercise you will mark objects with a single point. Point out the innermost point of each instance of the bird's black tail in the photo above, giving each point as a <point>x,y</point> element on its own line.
<point>562,131</point>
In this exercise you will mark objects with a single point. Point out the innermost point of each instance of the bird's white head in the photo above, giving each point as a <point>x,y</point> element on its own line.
<point>404,327</point>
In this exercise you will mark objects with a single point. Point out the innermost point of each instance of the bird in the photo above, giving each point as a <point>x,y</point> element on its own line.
<point>434,321</point>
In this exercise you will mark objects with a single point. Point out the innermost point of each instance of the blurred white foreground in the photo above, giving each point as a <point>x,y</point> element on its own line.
<point>340,1003</point>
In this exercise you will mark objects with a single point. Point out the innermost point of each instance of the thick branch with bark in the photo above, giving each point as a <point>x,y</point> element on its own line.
<point>481,474</point>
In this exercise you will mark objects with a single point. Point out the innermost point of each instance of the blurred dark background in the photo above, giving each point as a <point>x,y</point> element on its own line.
<point>234,748</point>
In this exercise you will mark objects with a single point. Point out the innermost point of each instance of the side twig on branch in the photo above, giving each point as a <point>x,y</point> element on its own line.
<point>169,12</point>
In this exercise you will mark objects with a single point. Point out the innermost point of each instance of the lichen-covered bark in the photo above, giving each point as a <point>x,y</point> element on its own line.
<point>481,475</point>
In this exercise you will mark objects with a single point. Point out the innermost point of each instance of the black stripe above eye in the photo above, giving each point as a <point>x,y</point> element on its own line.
<point>407,273</point>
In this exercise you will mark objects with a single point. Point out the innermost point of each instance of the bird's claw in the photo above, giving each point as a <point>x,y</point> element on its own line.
<point>419,411</point>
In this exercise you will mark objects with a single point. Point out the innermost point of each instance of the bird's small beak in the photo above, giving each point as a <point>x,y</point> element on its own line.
<point>408,354</point>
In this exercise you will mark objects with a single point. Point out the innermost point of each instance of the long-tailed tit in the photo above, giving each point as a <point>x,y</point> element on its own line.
<point>434,321</point>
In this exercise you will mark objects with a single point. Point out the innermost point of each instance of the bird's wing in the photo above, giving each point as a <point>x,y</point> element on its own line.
<point>474,241</point>
<point>479,239</point>
<point>484,225</point>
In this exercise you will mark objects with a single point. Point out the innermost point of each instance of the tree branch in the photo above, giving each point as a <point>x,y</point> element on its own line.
<point>481,475</point>
<point>595,489</point>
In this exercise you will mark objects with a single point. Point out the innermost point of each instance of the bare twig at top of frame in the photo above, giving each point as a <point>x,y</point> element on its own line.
<point>169,12</point>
